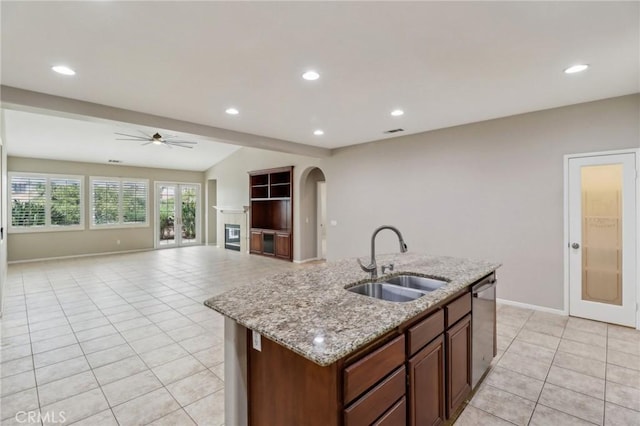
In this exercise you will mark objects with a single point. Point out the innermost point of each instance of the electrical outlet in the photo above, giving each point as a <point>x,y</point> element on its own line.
<point>257,340</point>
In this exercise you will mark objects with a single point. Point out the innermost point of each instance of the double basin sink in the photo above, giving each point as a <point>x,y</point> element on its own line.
<point>401,288</point>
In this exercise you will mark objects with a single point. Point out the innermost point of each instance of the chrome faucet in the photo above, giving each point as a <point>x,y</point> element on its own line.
<point>373,266</point>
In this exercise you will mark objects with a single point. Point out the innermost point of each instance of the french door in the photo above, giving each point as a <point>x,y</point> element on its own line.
<point>177,214</point>
<point>602,225</point>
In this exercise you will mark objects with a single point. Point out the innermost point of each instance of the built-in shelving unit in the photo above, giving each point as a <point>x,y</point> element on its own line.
<point>272,212</point>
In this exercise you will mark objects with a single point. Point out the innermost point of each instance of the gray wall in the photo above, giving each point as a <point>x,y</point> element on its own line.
<point>490,190</point>
<point>39,245</point>
<point>3,212</point>
<point>212,214</point>
<point>233,183</point>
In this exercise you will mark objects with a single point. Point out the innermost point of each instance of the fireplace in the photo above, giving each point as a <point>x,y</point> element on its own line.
<point>232,236</point>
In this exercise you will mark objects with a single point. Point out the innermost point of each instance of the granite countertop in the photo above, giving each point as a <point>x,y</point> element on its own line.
<point>309,311</point>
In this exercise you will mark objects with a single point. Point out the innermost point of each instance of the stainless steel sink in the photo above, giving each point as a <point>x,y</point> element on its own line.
<point>418,283</point>
<point>388,292</point>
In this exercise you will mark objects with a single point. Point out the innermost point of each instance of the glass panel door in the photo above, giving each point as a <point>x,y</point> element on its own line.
<point>602,233</point>
<point>178,219</point>
<point>189,214</point>
<point>602,238</point>
<point>167,215</point>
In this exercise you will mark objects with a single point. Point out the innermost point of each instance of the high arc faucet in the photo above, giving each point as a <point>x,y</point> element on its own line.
<point>372,267</point>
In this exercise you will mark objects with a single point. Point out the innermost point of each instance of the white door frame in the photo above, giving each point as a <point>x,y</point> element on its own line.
<point>566,241</point>
<point>156,215</point>
<point>321,204</point>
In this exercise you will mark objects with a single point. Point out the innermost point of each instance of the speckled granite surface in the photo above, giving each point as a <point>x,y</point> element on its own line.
<point>310,312</point>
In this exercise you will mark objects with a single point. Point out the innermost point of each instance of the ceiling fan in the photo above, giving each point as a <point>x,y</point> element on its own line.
<point>158,139</point>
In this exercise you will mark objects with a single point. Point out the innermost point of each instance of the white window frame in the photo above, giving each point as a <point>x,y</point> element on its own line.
<point>47,227</point>
<point>120,223</point>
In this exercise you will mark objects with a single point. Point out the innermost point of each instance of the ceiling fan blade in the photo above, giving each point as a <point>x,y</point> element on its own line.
<point>137,140</point>
<point>133,136</point>
<point>187,142</point>
<point>178,144</point>
<point>146,143</point>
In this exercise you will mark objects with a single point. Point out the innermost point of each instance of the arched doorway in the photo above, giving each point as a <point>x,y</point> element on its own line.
<point>313,208</point>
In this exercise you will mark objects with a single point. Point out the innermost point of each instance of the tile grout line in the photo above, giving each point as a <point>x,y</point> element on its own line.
<point>87,361</point>
<point>547,375</point>
<point>35,380</point>
<point>163,386</point>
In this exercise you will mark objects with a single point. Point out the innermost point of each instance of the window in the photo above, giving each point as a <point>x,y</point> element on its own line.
<point>46,202</point>
<point>119,202</point>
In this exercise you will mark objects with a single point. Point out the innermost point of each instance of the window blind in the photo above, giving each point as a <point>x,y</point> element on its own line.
<point>119,201</point>
<point>46,202</point>
<point>28,201</point>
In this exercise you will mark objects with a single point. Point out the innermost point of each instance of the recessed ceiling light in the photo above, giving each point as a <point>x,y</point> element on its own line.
<point>61,69</point>
<point>311,75</point>
<point>232,111</point>
<point>318,132</point>
<point>397,112</point>
<point>576,68</point>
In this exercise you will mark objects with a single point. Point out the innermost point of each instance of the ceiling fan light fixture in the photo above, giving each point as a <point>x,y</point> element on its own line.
<point>311,75</point>
<point>576,68</point>
<point>64,70</point>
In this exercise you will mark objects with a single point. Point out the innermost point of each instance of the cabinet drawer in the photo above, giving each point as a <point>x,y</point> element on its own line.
<point>377,401</point>
<point>425,331</point>
<point>457,309</point>
<point>363,374</point>
<point>396,415</point>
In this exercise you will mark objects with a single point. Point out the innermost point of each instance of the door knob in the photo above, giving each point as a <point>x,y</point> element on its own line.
<point>575,245</point>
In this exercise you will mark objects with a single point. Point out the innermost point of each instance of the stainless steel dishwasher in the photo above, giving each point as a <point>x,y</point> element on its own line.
<point>483,326</point>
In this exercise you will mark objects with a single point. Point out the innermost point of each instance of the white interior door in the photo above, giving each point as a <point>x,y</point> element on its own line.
<point>178,214</point>
<point>602,238</point>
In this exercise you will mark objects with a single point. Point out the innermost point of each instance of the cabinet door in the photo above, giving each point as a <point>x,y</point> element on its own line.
<point>426,385</point>
<point>256,242</point>
<point>458,348</point>
<point>283,245</point>
<point>268,243</point>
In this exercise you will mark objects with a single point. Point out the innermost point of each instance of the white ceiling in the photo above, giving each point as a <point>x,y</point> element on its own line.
<point>444,63</point>
<point>61,138</point>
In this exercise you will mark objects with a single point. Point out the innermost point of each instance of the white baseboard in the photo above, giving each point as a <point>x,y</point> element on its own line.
<point>306,260</point>
<point>534,307</point>
<point>73,256</point>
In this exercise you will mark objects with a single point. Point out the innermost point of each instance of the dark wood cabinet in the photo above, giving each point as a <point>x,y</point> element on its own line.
<point>271,193</point>
<point>283,245</point>
<point>255,245</point>
<point>458,350</point>
<point>426,385</point>
<point>418,375</point>
<point>284,388</point>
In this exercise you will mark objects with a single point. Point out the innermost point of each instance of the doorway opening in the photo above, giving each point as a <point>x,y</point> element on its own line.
<point>177,214</point>
<point>313,214</point>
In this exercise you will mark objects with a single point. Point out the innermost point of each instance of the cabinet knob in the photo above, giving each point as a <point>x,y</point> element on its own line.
<point>575,246</point>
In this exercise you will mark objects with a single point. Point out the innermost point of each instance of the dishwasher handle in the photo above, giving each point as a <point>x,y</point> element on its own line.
<point>486,286</point>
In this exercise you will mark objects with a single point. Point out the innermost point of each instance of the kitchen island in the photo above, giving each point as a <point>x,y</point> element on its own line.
<point>301,349</point>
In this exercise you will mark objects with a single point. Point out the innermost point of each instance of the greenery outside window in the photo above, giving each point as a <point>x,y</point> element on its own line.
<point>119,202</point>
<point>42,202</point>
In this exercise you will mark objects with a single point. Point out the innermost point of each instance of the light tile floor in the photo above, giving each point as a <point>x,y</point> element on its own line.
<point>556,370</point>
<point>121,339</point>
<point>125,340</point>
